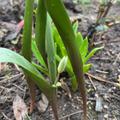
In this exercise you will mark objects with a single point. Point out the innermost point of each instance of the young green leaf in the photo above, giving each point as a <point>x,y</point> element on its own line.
<point>60,46</point>
<point>37,54</point>
<point>86,67</point>
<point>75,27</point>
<point>79,39</point>
<point>50,50</point>
<point>40,28</point>
<point>58,84</point>
<point>84,48</point>
<point>92,53</point>
<point>62,64</point>
<point>41,69</point>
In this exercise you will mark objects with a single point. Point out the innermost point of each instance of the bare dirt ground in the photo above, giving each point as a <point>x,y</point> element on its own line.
<point>106,66</point>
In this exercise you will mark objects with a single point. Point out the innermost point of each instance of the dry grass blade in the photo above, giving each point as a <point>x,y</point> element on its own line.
<point>102,80</point>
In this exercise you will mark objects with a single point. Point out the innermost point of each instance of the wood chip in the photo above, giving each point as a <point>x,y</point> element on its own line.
<point>19,108</point>
<point>43,104</point>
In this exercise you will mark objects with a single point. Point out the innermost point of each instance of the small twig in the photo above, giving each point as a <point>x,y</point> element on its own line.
<point>98,43</point>
<point>118,57</point>
<point>4,88</point>
<point>24,93</point>
<point>92,83</point>
<point>13,77</point>
<point>66,116</point>
<point>65,87</point>
<point>103,72</point>
<point>18,87</point>
<point>103,80</point>
<point>5,116</point>
<point>115,97</point>
<point>16,66</point>
<point>113,41</point>
<point>109,5</point>
<point>102,58</point>
<point>102,13</point>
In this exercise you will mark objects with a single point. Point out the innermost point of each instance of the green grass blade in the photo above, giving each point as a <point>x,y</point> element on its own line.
<point>7,55</point>
<point>40,27</point>
<point>84,48</point>
<point>27,33</point>
<point>41,69</point>
<point>92,53</point>
<point>60,46</point>
<point>50,50</point>
<point>86,67</point>
<point>75,27</point>
<point>79,40</point>
<point>37,54</point>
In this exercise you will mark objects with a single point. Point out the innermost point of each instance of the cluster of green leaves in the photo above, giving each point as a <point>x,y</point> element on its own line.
<point>83,46</point>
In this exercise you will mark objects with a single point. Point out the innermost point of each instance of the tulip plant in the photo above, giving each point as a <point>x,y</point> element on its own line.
<point>83,50</point>
<point>44,49</point>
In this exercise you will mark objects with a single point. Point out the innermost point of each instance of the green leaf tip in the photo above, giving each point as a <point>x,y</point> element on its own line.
<point>62,64</point>
<point>58,84</point>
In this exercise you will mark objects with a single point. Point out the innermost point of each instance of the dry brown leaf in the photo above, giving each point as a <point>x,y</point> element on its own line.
<point>43,104</point>
<point>19,108</point>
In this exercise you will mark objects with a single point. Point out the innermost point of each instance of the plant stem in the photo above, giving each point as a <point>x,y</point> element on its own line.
<point>50,50</point>
<point>40,28</point>
<point>57,12</point>
<point>27,33</point>
<point>53,103</point>
<point>26,45</point>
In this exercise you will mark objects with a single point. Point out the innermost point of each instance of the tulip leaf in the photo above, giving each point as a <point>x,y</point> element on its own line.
<point>9,56</point>
<point>75,27</point>
<point>37,53</point>
<point>50,50</point>
<point>92,53</point>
